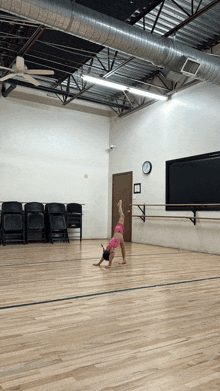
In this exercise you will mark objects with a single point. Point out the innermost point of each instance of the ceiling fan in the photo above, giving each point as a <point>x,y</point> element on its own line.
<point>20,69</point>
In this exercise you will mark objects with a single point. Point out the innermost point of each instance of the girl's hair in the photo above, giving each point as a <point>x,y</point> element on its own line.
<point>106,255</point>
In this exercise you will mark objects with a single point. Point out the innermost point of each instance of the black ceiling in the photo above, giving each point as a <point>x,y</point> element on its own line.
<point>121,9</point>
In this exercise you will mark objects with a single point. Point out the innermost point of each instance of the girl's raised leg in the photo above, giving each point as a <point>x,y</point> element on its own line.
<point>121,214</point>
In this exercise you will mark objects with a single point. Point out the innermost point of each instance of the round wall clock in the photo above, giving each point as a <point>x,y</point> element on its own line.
<point>147,167</point>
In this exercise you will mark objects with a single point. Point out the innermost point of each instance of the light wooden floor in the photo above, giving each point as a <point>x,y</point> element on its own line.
<point>61,332</point>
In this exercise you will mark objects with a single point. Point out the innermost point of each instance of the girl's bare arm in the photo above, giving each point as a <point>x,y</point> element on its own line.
<point>98,264</point>
<point>111,256</point>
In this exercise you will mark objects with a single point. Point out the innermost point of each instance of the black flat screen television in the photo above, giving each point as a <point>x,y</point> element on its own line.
<point>193,180</point>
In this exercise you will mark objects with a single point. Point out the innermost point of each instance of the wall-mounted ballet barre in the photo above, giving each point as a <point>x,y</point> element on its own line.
<point>180,217</point>
<point>143,216</point>
<point>175,204</point>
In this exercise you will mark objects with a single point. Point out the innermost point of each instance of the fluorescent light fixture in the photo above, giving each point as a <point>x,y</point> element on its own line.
<point>146,93</point>
<point>104,82</point>
<point>121,87</point>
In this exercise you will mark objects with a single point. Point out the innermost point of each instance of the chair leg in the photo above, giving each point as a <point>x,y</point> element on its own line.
<point>51,237</point>
<point>3,238</point>
<point>67,236</point>
<point>23,236</point>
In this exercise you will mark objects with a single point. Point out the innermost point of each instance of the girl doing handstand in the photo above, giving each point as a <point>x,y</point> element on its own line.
<point>117,240</point>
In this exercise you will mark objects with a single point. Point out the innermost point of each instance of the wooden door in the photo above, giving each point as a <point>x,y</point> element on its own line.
<point>122,189</point>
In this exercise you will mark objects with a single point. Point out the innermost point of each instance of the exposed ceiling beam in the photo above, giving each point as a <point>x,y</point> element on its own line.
<point>68,94</point>
<point>105,77</point>
<point>132,21</point>
<point>210,43</point>
<point>181,25</point>
<point>35,36</point>
<point>39,31</point>
<point>169,33</point>
<point>191,18</point>
<point>144,12</point>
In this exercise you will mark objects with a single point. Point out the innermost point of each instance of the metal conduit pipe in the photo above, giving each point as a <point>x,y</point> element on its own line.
<point>5,91</point>
<point>77,20</point>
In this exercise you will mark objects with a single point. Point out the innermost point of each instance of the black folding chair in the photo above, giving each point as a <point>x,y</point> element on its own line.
<point>13,226</point>
<point>74,217</point>
<point>34,222</point>
<point>56,222</point>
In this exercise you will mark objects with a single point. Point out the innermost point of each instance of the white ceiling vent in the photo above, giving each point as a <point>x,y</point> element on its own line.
<point>190,67</point>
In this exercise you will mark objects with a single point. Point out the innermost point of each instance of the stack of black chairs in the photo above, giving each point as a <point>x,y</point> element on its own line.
<point>37,223</point>
<point>13,225</point>
<point>74,217</point>
<point>56,222</point>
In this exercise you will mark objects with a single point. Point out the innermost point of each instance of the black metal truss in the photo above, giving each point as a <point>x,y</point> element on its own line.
<point>210,43</point>
<point>151,5</point>
<point>156,74</point>
<point>30,42</point>
<point>132,20</point>
<point>68,82</point>
<point>141,102</point>
<point>60,93</point>
<point>192,17</point>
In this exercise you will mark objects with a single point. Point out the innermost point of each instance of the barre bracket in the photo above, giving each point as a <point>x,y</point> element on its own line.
<point>194,220</point>
<point>143,211</point>
<point>143,217</point>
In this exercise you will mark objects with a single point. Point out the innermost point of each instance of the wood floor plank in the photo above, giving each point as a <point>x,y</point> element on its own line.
<point>162,338</point>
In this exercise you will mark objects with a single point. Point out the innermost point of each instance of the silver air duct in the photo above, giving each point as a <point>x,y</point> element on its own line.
<point>74,19</point>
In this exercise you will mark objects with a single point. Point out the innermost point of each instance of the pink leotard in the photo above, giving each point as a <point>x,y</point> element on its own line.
<point>114,242</point>
<point>119,228</point>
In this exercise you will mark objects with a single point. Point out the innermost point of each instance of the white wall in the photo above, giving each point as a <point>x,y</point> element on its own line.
<point>45,153</point>
<point>187,125</point>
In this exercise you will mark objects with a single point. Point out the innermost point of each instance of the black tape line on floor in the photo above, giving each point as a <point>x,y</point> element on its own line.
<point>107,293</point>
<point>89,259</point>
